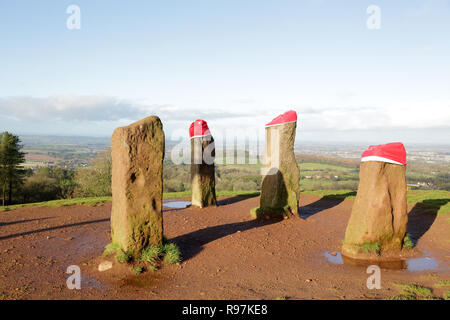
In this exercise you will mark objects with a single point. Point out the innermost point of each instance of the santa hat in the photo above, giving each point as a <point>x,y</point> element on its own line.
<point>287,117</point>
<point>199,128</point>
<point>391,152</point>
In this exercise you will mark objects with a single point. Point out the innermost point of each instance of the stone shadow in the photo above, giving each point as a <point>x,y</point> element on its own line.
<point>237,198</point>
<point>15,235</point>
<point>324,203</point>
<point>422,216</point>
<point>22,221</point>
<point>191,244</point>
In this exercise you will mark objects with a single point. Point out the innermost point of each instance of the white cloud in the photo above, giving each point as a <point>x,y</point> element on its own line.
<point>86,115</point>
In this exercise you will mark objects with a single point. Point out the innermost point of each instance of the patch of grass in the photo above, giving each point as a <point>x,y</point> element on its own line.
<point>438,201</point>
<point>93,201</point>
<point>407,243</point>
<point>151,254</point>
<point>138,270</point>
<point>171,253</point>
<point>333,194</point>
<point>447,295</point>
<point>371,247</point>
<point>124,257</point>
<point>431,276</point>
<point>280,298</point>
<point>402,297</point>
<point>153,268</point>
<point>168,251</point>
<point>121,255</point>
<point>443,283</point>
<point>111,248</point>
<point>430,298</point>
<point>415,290</point>
<point>187,194</point>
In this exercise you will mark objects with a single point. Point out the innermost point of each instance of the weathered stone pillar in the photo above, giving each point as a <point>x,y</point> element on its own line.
<point>379,217</point>
<point>280,189</point>
<point>137,167</point>
<point>203,183</point>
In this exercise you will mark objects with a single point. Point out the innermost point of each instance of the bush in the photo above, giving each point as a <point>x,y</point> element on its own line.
<point>95,181</point>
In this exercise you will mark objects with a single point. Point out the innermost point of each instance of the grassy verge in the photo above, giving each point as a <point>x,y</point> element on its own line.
<point>413,292</point>
<point>436,200</point>
<point>95,201</point>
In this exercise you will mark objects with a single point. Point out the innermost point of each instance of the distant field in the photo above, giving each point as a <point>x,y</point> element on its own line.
<point>308,166</point>
<point>39,157</point>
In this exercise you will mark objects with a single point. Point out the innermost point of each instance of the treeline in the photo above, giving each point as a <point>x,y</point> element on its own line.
<point>44,184</point>
<point>20,185</point>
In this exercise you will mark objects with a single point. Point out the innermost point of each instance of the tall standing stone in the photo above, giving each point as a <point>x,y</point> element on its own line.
<point>280,189</point>
<point>379,217</point>
<point>137,166</point>
<point>203,183</point>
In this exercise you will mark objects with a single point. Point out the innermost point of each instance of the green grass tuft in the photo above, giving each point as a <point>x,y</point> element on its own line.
<point>430,298</point>
<point>407,243</point>
<point>443,283</point>
<point>153,268</point>
<point>111,248</point>
<point>171,253</point>
<point>371,247</point>
<point>151,254</point>
<point>168,251</point>
<point>402,297</point>
<point>138,270</point>
<point>414,289</point>
<point>447,295</point>
<point>124,257</point>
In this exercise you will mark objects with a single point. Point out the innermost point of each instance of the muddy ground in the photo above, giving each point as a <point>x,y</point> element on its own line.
<point>226,255</point>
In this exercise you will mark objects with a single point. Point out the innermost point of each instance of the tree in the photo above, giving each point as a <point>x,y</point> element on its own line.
<point>11,158</point>
<point>95,180</point>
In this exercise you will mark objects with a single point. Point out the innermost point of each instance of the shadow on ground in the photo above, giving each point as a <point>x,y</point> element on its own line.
<point>192,243</point>
<point>15,235</point>
<point>237,198</point>
<point>324,203</point>
<point>23,221</point>
<point>422,216</point>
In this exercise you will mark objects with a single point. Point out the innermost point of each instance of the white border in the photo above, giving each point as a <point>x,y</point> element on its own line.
<point>204,135</point>
<point>382,159</point>
<point>279,124</point>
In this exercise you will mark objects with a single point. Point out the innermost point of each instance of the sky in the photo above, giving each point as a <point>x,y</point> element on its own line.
<point>234,63</point>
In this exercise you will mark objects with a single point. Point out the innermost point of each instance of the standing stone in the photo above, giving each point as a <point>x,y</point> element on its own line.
<point>203,183</point>
<point>379,217</point>
<point>280,190</point>
<point>137,166</point>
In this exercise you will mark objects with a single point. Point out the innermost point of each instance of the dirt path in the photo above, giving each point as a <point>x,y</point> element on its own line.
<point>226,254</point>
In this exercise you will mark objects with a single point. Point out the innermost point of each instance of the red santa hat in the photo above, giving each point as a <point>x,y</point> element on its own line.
<point>287,117</point>
<point>199,128</point>
<point>391,152</point>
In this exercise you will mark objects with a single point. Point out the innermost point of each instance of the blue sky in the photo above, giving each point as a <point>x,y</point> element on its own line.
<point>233,63</point>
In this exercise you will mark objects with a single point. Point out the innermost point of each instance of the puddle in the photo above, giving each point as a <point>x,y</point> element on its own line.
<point>419,264</point>
<point>414,264</point>
<point>177,204</point>
<point>334,257</point>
